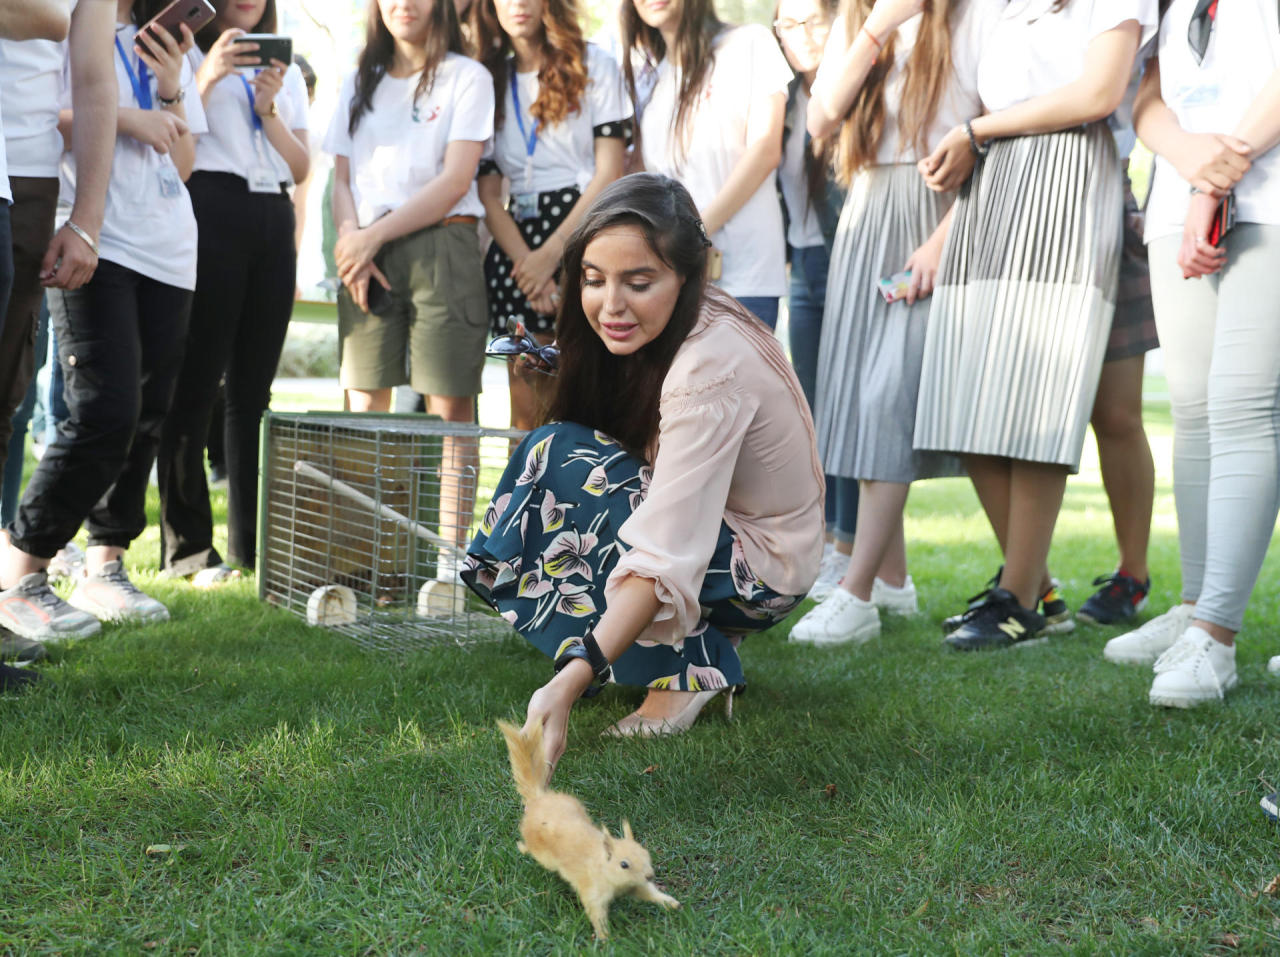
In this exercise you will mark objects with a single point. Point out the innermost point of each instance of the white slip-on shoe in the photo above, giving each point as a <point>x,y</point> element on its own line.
<point>1195,670</point>
<point>899,601</point>
<point>841,619</point>
<point>1144,645</point>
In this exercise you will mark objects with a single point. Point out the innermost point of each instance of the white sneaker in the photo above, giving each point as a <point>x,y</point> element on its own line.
<point>1144,645</point>
<point>449,568</point>
<point>899,601</point>
<point>840,619</point>
<point>1196,669</point>
<point>834,564</point>
<point>109,595</point>
<point>1273,665</point>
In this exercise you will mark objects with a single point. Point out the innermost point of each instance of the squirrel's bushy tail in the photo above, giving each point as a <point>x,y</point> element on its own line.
<point>528,761</point>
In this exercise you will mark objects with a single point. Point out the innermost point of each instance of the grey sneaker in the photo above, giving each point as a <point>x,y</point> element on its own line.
<point>18,650</point>
<point>109,595</point>
<point>33,610</point>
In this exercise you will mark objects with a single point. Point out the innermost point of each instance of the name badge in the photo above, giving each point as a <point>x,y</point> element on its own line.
<point>262,179</point>
<point>524,206</point>
<point>170,182</point>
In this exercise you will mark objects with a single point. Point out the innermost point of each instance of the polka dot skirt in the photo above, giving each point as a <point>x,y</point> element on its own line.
<point>506,301</point>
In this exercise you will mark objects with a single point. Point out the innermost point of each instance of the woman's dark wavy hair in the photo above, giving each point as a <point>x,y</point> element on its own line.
<point>619,394</point>
<point>444,35</point>
<point>210,32</point>
<point>697,31</point>
<point>562,80</point>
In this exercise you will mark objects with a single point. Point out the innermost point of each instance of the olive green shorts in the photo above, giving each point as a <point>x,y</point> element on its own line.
<point>432,329</point>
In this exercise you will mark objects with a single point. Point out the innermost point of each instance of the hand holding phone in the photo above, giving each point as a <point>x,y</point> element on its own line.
<point>193,13</point>
<point>894,287</point>
<point>267,47</point>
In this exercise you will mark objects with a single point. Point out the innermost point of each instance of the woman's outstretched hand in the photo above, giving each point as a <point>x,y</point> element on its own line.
<point>550,707</point>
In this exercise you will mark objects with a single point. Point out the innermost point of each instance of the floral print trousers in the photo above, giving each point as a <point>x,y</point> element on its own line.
<point>549,540</point>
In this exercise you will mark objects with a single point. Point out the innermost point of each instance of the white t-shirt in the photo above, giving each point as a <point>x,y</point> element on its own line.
<point>149,226</point>
<point>748,68</point>
<point>803,229</point>
<point>1033,50</point>
<point>973,23</point>
<point>1212,97</point>
<point>229,146</point>
<point>398,147</point>
<point>564,154</point>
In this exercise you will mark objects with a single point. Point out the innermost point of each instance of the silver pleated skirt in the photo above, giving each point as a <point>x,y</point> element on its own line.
<point>870,351</point>
<point>1027,288</point>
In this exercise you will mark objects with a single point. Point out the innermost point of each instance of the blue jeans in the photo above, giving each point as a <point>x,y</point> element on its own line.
<point>805,304</point>
<point>764,308</point>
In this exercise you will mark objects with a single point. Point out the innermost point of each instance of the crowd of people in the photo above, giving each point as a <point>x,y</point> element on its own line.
<point>939,190</point>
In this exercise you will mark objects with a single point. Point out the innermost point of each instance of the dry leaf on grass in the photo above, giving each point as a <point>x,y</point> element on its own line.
<point>1273,889</point>
<point>829,790</point>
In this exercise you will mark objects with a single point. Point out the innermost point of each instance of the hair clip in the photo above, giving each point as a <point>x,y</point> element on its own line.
<point>702,231</point>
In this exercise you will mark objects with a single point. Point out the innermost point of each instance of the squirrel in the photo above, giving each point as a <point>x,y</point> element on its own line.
<point>558,833</point>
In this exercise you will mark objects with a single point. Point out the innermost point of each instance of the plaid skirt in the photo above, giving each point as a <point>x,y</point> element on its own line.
<point>549,540</point>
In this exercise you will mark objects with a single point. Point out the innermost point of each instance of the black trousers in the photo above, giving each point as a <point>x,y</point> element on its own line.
<point>120,342</point>
<point>28,228</point>
<point>243,300</point>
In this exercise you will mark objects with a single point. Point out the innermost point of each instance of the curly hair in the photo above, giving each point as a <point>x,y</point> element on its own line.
<point>562,79</point>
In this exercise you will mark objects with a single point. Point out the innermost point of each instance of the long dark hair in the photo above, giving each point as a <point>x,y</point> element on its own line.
<point>618,395</point>
<point>562,80</point>
<point>698,29</point>
<point>444,35</point>
<point>210,32</point>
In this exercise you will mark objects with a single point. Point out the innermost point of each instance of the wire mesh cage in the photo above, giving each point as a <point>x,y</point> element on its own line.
<point>363,521</point>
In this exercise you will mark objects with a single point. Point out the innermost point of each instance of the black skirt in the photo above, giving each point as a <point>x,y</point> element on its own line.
<point>506,301</point>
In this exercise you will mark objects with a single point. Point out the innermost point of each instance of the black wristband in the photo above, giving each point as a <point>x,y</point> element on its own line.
<point>973,140</point>
<point>587,650</point>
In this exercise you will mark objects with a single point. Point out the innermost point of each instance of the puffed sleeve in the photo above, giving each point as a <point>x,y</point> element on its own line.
<point>673,533</point>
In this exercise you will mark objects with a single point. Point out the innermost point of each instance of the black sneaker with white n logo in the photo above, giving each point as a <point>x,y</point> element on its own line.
<point>999,622</point>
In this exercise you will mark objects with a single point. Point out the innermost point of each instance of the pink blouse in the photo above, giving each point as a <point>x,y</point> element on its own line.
<point>735,444</point>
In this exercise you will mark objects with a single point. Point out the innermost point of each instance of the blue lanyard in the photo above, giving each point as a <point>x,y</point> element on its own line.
<point>253,114</point>
<point>140,81</point>
<point>530,140</point>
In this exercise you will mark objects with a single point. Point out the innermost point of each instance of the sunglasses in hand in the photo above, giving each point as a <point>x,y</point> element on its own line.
<point>544,359</point>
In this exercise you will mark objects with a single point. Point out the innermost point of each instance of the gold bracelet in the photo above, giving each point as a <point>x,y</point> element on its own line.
<point>83,234</point>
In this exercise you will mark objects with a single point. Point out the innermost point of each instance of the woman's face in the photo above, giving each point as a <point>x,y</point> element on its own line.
<point>628,293</point>
<point>519,19</point>
<point>241,14</point>
<point>662,15</point>
<point>802,27</point>
<point>408,21</point>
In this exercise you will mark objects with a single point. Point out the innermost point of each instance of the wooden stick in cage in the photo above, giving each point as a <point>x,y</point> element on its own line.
<point>307,470</point>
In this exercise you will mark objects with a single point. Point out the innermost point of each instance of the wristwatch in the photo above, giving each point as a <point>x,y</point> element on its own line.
<point>274,111</point>
<point>174,101</point>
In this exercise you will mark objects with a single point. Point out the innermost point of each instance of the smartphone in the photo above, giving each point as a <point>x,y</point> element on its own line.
<point>194,13</point>
<point>1223,220</point>
<point>715,263</point>
<point>894,287</point>
<point>270,47</point>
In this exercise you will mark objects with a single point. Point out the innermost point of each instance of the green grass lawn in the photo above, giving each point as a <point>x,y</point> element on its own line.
<point>891,798</point>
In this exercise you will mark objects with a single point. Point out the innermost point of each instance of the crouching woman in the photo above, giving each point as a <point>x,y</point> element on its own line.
<point>673,502</point>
